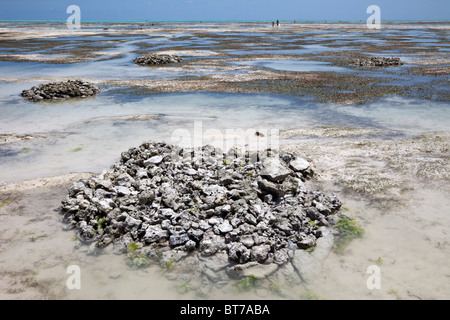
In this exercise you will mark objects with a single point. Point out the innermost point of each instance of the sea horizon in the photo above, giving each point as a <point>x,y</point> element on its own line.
<point>212,21</point>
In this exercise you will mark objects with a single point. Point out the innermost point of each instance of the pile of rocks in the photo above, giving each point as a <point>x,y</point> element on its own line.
<point>157,59</point>
<point>378,62</point>
<point>60,90</point>
<point>250,207</point>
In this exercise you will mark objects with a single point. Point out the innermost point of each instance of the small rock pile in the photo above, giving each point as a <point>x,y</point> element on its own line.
<point>251,206</point>
<point>378,62</point>
<point>61,90</point>
<point>157,59</point>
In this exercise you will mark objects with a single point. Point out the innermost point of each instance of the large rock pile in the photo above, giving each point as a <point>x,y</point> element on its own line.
<point>253,207</point>
<point>378,62</point>
<point>157,59</point>
<point>60,90</point>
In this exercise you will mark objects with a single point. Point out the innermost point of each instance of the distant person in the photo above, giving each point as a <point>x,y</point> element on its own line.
<point>278,23</point>
<point>273,24</point>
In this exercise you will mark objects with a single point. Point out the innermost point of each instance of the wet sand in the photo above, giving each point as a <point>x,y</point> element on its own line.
<point>395,186</point>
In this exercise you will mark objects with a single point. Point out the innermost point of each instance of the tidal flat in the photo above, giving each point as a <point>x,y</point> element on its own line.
<point>376,137</point>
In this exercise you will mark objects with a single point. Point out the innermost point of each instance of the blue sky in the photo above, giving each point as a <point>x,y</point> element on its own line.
<point>197,10</point>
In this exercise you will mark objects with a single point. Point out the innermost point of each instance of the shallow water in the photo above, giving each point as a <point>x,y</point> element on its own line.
<point>295,65</point>
<point>86,135</point>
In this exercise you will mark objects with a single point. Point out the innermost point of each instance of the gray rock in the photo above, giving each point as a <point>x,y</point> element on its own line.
<point>225,226</point>
<point>196,234</point>
<point>250,219</point>
<point>260,253</point>
<point>291,185</point>
<point>299,164</point>
<point>122,191</point>
<point>132,224</point>
<point>272,188</point>
<point>274,170</point>
<point>247,240</point>
<point>160,196</point>
<point>190,172</point>
<point>204,225</point>
<point>124,179</point>
<point>378,62</point>
<point>76,188</point>
<point>105,205</point>
<point>211,243</point>
<point>238,252</point>
<point>178,240</point>
<point>155,234</point>
<point>101,183</point>
<point>60,90</point>
<point>157,59</point>
<point>167,213</point>
<point>281,256</point>
<point>190,245</point>
<point>146,197</point>
<point>153,160</point>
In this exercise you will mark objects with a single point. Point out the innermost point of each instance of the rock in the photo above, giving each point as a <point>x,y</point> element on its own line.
<point>200,207</point>
<point>178,240</point>
<point>225,227</point>
<point>105,205</point>
<point>190,172</point>
<point>146,197</point>
<point>190,245</point>
<point>313,213</point>
<point>272,188</point>
<point>157,59</point>
<point>299,164</point>
<point>378,62</point>
<point>122,191</point>
<point>274,170</point>
<point>211,243</point>
<point>155,234</point>
<point>153,160</point>
<point>102,183</point>
<point>132,224</point>
<point>247,240</point>
<point>77,187</point>
<point>60,90</point>
<point>291,185</point>
<point>238,252</point>
<point>166,213</point>
<point>196,234</point>
<point>125,180</point>
<point>260,253</point>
